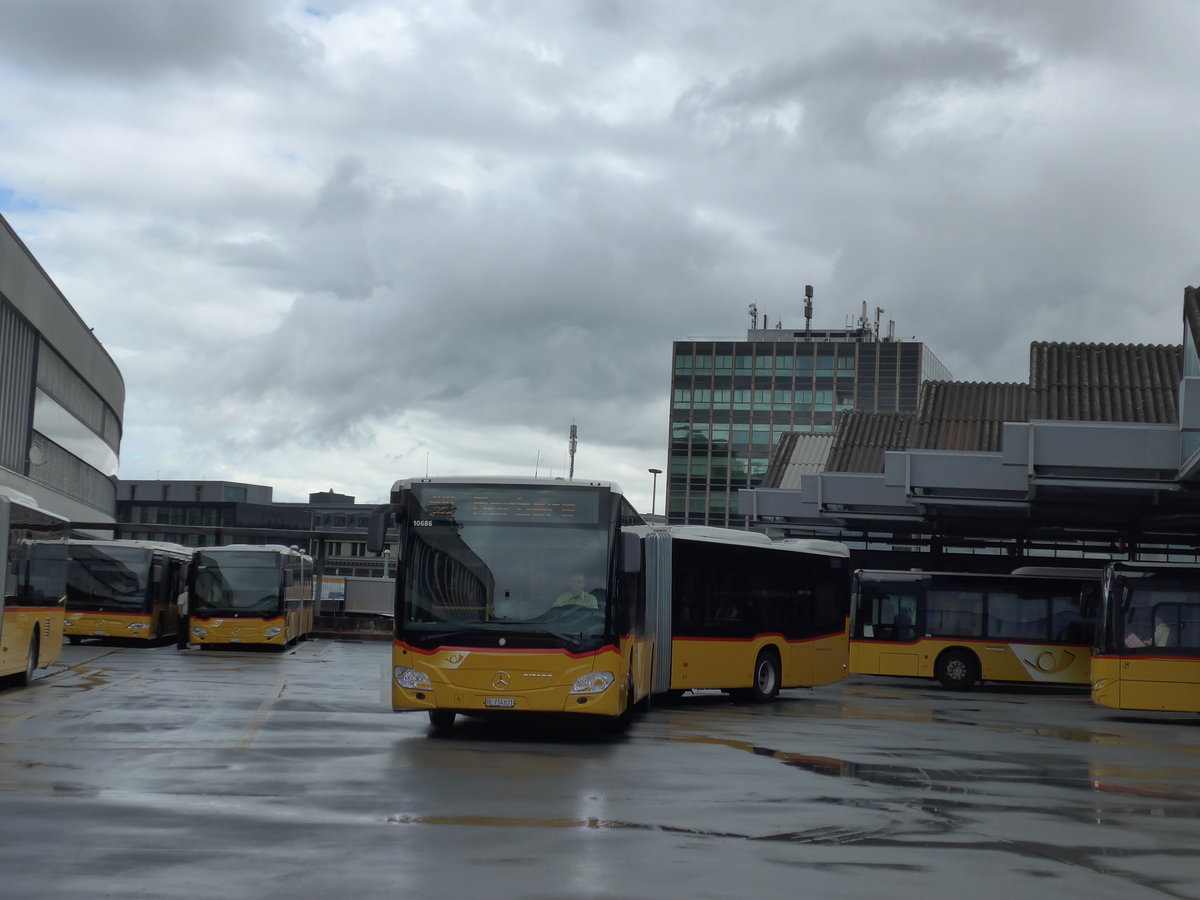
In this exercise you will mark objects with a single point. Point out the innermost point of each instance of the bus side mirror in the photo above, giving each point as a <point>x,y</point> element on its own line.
<point>377,527</point>
<point>631,554</point>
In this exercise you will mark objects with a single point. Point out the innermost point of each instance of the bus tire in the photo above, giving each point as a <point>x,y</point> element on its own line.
<point>74,638</point>
<point>957,669</point>
<point>765,686</point>
<point>441,721</point>
<point>25,678</point>
<point>620,723</point>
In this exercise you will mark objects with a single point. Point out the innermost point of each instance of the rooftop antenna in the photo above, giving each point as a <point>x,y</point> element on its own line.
<point>878,313</point>
<point>753,316</point>
<point>891,329</point>
<point>574,439</point>
<point>808,295</point>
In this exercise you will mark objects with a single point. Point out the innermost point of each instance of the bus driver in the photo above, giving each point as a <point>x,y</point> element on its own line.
<point>575,595</point>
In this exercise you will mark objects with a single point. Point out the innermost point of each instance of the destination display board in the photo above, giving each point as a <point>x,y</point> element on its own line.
<point>510,504</point>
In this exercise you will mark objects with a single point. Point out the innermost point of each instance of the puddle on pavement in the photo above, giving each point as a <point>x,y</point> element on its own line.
<point>957,780</point>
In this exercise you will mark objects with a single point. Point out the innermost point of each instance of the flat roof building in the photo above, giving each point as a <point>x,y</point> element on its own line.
<point>61,395</point>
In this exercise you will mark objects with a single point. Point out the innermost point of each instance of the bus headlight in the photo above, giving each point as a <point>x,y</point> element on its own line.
<point>271,632</point>
<point>592,683</point>
<point>197,631</point>
<point>411,679</point>
<point>136,626</point>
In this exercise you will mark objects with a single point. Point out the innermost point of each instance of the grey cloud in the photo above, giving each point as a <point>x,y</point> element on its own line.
<point>844,90</point>
<point>125,39</point>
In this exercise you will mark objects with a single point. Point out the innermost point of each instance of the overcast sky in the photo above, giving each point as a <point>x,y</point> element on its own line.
<point>333,244</point>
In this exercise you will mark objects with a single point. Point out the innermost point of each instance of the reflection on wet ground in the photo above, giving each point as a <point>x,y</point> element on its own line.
<point>236,756</point>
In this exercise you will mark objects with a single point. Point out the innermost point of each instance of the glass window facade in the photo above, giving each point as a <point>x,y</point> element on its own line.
<point>729,411</point>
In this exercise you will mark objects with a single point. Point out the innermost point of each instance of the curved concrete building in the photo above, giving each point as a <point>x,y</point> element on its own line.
<point>61,395</point>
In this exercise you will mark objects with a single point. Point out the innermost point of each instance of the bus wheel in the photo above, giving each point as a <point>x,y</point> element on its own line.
<point>620,723</point>
<point>766,678</point>
<point>74,638</point>
<point>957,670</point>
<point>441,721</point>
<point>31,661</point>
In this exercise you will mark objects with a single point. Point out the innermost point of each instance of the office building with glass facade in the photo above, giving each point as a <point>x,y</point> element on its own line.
<point>732,400</point>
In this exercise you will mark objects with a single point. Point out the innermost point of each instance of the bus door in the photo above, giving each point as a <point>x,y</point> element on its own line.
<point>890,613</point>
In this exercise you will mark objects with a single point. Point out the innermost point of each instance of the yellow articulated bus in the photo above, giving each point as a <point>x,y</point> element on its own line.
<point>1147,652</point>
<point>249,595</point>
<point>962,628</point>
<point>541,596</point>
<point>35,585</point>
<point>744,614</point>
<point>124,589</point>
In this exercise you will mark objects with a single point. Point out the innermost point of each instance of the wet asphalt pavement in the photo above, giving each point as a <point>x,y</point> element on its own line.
<point>149,772</point>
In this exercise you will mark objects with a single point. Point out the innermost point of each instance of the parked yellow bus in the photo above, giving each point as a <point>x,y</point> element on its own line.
<point>541,596</point>
<point>124,589</point>
<point>962,628</point>
<point>249,594</point>
<point>1147,651</point>
<point>745,614</point>
<point>34,599</point>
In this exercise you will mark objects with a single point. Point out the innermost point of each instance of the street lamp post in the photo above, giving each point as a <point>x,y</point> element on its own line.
<point>654,487</point>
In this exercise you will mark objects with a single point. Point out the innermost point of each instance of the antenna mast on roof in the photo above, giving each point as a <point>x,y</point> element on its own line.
<point>808,297</point>
<point>753,316</point>
<point>571,442</point>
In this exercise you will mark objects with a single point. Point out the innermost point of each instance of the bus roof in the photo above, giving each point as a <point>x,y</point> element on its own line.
<point>503,479</point>
<point>1029,574</point>
<point>1173,567</point>
<point>14,496</point>
<point>164,546</point>
<point>242,548</point>
<point>737,536</point>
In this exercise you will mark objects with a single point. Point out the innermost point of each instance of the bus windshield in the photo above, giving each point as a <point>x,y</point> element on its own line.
<point>41,581</point>
<point>528,559</point>
<point>236,584</point>
<point>108,578</point>
<point>1161,615</point>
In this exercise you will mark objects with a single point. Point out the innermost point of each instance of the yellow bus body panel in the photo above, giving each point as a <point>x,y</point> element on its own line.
<point>480,680</point>
<point>240,631</point>
<point>728,663</point>
<point>20,622</point>
<point>118,624</point>
<point>1167,684</point>
<point>998,660</point>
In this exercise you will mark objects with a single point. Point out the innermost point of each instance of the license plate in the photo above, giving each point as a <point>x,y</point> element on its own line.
<point>500,702</point>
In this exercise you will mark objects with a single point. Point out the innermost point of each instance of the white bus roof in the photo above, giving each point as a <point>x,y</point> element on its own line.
<point>737,536</point>
<point>15,496</point>
<point>504,479</point>
<point>274,548</point>
<point>165,546</point>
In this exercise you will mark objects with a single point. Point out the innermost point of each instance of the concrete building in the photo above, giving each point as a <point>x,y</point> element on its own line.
<point>732,401</point>
<point>61,395</point>
<point>330,526</point>
<point>207,513</point>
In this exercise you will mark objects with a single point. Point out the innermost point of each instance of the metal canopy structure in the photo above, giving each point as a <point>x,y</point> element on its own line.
<point>1101,449</point>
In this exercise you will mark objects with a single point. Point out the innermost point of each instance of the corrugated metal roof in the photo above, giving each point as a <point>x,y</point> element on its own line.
<point>1105,382</point>
<point>797,453</point>
<point>860,439</point>
<point>1067,382</point>
<point>965,415</point>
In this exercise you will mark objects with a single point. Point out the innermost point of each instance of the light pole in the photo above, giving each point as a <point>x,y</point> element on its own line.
<point>653,487</point>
